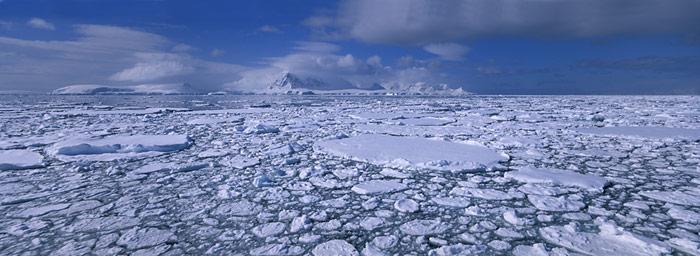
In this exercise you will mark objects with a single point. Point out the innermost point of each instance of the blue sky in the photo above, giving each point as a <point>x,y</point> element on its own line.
<point>484,46</point>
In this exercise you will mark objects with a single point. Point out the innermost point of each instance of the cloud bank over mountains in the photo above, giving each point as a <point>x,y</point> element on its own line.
<point>106,55</point>
<point>113,55</point>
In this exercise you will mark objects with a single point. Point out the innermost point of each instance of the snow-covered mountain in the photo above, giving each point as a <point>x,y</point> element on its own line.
<point>289,83</point>
<point>143,89</point>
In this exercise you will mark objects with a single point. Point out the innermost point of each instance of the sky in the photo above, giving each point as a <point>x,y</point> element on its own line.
<point>482,46</point>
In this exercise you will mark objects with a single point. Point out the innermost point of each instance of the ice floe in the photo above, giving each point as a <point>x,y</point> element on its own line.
<point>18,159</point>
<point>558,177</point>
<point>412,152</point>
<point>378,187</point>
<point>611,240</point>
<point>118,147</point>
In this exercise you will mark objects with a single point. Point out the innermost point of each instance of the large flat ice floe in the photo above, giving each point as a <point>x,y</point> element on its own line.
<point>558,177</point>
<point>649,132</point>
<point>117,147</point>
<point>412,152</point>
<point>19,159</point>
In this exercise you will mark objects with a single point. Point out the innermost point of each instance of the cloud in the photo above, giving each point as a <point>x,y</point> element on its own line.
<point>422,22</point>
<point>269,29</point>
<point>106,55</point>
<point>157,66</point>
<point>447,51</point>
<point>39,23</point>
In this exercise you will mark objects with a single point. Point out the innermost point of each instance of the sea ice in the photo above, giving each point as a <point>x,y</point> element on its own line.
<point>556,204</point>
<point>335,247</point>
<point>558,177</point>
<point>485,193</point>
<point>378,187</point>
<point>611,240</point>
<point>118,147</point>
<point>649,132</point>
<point>412,152</point>
<point>17,159</point>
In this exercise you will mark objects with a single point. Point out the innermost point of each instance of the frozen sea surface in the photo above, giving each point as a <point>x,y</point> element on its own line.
<point>317,175</point>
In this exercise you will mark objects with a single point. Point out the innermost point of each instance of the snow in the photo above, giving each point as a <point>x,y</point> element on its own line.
<point>19,159</point>
<point>117,147</point>
<point>611,240</point>
<point>558,177</point>
<point>403,152</point>
<point>651,132</point>
<point>378,187</point>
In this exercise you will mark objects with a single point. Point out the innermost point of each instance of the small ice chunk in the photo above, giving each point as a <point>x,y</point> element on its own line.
<point>556,204</point>
<point>406,205</point>
<point>394,173</point>
<point>534,250</point>
<point>378,187</point>
<point>559,177</point>
<point>423,227</point>
<point>259,128</point>
<point>457,249</point>
<point>458,202</point>
<point>485,193</point>
<point>19,159</point>
<point>335,247</point>
<point>268,229</point>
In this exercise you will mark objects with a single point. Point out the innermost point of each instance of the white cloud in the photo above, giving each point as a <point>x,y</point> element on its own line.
<point>422,22</point>
<point>270,29</point>
<point>447,51</point>
<point>154,70</point>
<point>39,23</point>
<point>105,55</point>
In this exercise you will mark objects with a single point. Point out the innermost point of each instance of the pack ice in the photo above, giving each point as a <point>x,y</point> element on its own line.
<point>348,175</point>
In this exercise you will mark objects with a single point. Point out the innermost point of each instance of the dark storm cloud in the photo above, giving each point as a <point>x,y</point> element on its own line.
<point>424,22</point>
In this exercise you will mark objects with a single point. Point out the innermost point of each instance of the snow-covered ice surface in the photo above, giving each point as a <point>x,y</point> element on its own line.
<point>358,175</point>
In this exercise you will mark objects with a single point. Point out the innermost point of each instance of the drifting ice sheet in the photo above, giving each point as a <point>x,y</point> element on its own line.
<point>19,159</point>
<point>118,147</point>
<point>559,177</point>
<point>412,152</point>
